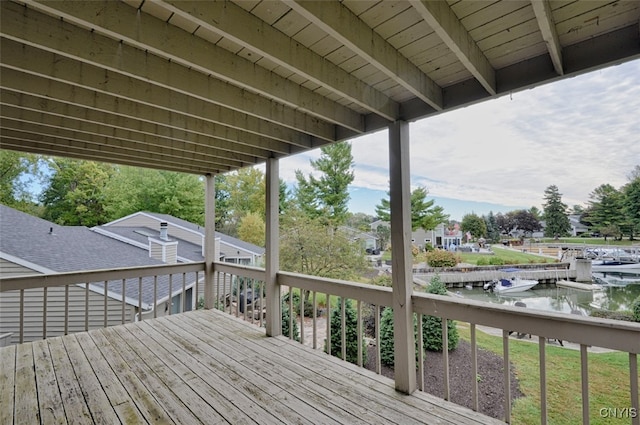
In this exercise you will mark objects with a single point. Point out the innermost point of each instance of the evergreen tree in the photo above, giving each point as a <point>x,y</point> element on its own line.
<point>351,337</point>
<point>555,213</point>
<point>424,214</point>
<point>493,232</point>
<point>632,202</point>
<point>607,212</point>
<point>294,331</point>
<point>327,196</point>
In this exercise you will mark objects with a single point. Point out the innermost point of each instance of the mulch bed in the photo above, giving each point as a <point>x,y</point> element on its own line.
<point>490,377</point>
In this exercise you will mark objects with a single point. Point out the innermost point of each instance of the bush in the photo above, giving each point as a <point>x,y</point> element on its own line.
<point>351,337</point>
<point>496,261</point>
<point>431,329</point>
<point>382,280</point>
<point>441,258</point>
<point>308,306</point>
<point>482,261</point>
<point>432,326</point>
<point>635,309</point>
<point>285,321</point>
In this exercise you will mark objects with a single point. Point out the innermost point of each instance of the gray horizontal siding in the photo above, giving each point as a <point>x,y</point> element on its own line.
<point>33,312</point>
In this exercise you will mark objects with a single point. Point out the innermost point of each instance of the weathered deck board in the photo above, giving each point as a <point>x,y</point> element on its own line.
<point>202,367</point>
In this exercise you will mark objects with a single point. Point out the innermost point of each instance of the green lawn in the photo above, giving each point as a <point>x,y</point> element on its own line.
<point>590,241</point>
<point>507,256</point>
<point>608,381</point>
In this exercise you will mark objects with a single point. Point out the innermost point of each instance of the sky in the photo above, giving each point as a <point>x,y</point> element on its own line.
<point>501,155</point>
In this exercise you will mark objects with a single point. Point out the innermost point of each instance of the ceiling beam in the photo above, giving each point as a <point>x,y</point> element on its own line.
<point>180,139</point>
<point>439,16</point>
<point>199,118</point>
<point>542,10</point>
<point>241,27</point>
<point>343,25</point>
<point>118,137</point>
<point>47,144</point>
<point>148,34</point>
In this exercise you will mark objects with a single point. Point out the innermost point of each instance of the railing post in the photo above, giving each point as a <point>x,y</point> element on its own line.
<point>400,203</point>
<point>272,264</point>
<point>209,239</point>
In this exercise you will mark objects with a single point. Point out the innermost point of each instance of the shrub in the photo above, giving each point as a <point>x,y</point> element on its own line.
<point>482,261</point>
<point>308,305</point>
<point>351,337</point>
<point>635,309</point>
<point>382,280</point>
<point>432,326</point>
<point>431,329</point>
<point>285,321</point>
<point>496,261</point>
<point>441,258</point>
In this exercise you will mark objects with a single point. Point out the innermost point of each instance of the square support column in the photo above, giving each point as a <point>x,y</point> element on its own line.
<point>209,239</point>
<point>272,239</point>
<point>401,257</point>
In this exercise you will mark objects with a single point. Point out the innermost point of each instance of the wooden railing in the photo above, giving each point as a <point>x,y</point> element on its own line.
<point>235,288</point>
<point>584,331</point>
<point>41,306</point>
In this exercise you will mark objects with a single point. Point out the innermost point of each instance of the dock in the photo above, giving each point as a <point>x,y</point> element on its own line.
<point>577,285</point>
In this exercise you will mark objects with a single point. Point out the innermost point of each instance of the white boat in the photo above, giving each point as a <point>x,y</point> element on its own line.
<point>605,265</point>
<point>509,286</point>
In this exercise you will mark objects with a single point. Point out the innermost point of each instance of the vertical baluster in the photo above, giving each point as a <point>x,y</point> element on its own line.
<point>104,307</point>
<point>155,296</point>
<point>262,306</point>
<point>378,359</point>
<point>542,345</point>
<point>123,285</point>
<point>343,328</point>
<point>291,312</point>
<point>44,313</point>
<point>474,366</point>
<point>245,302</point>
<point>507,380</point>
<point>220,296</point>
<point>420,343</point>
<point>86,307</point>
<point>314,322</point>
<point>140,298</point>
<point>584,367</point>
<point>196,291</point>
<point>170,293</point>
<point>359,330</point>
<point>21,316</point>
<point>633,376</point>
<point>66,309</point>
<point>445,358</point>
<point>184,292</point>
<point>301,316</point>
<point>328,324</point>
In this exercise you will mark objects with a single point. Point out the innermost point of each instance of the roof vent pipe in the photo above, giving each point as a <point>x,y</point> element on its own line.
<point>164,231</point>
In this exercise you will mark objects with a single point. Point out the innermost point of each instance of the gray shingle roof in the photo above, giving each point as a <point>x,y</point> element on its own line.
<point>77,248</point>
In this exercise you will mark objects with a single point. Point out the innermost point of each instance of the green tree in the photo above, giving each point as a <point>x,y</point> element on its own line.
<point>75,193</point>
<point>134,189</point>
<point>252,229</point>
<point>246,191</point>
<point>292,331</point>
<point>631,201</point>
<point>351,336</point>
<point>526,221</point>
<point>432,325</point>
<point>327,196</point>
<point>555,213</point>
<point>606,210</point>
<point>493,232</point>
<point>17,171</point>
<point>473,224</point>
<point>424,214</point>
<point>310,247</point>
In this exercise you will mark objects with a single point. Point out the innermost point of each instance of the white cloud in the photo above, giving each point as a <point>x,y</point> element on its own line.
<point>576,134</point>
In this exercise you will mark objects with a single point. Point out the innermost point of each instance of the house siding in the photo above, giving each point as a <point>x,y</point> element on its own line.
<point>10,269</point>
<point>33,309</point>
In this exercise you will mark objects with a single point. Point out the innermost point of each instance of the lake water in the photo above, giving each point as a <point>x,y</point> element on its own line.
<point>614,297</point>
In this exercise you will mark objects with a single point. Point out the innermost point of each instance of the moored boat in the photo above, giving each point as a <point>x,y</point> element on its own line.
<point>509,286</point>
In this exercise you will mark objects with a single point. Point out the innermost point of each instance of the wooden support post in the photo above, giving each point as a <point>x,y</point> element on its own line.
<point>209,239</point>
<point>400,202</point>
<point>272,265</point>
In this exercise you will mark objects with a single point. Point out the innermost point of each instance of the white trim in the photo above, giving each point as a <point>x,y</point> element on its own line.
<point>120,238</point>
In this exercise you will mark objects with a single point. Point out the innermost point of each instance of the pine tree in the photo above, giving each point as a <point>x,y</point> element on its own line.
<point>555,213</point>
<point>424,214</point>
<point>351,337</point>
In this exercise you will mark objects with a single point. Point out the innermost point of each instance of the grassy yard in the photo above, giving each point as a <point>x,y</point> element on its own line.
<point>608,381</point>
<point>590,241</point>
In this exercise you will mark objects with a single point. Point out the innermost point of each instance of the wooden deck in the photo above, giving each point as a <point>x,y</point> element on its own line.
<point>200,367</point>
